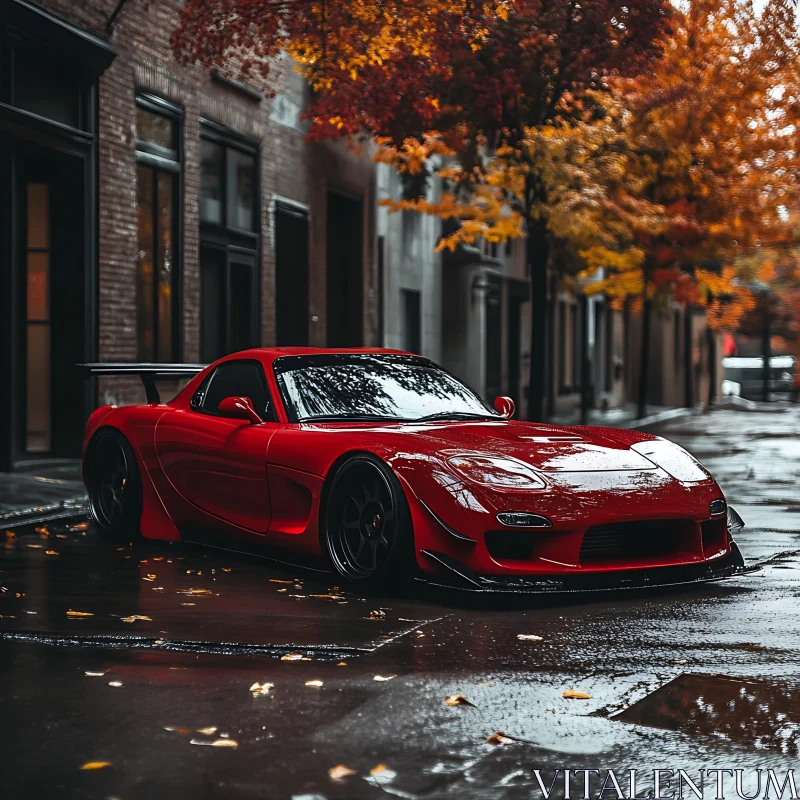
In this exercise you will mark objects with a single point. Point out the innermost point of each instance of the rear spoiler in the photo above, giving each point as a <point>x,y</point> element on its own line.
<point>149,373</point>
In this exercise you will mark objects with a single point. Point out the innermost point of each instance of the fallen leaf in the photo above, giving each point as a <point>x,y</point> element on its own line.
<point>382,774</point>
<point>314,683</point>
<point>261,688</point>
<point>216,742</point>
<point>43,531</point>
<point>571,694</point>
<point>134,617</point>
<point>94,674</point>
<point>149,577</point>
<point>71,613</point>
<point>194,591</point>
<point>226,569</point>
<point>35,546</point>
<point>96,765</point>
<point>10,534</point>
<point>291,656</point>
<point>281,590</point>
<point>278,580</point>
<point>377,614</point>
<point>327,596</point>
<point>188,604</point>
<point>384,677</point>
<point>81,526</point>
<point>458,700</point>
<point>173,729</point>
<point>51,552</point>
<point>342,664</point>
<point>499,738</point>
<point>208,731</point>
<point>7,616</point>
<point>529,637</point>
<point>340,771</point>
<point>115,683</point>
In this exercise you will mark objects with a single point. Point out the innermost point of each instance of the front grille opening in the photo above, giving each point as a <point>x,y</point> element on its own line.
<point>510,545</point>
<point>715,536</point>
<point>646,541</point>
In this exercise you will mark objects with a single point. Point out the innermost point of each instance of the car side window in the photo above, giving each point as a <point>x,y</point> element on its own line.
<point>238,378</point>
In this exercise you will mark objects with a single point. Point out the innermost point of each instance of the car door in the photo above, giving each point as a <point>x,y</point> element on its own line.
<point>216,463</point>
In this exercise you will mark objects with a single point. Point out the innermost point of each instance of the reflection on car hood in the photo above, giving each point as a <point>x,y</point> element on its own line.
<point>546,448</point>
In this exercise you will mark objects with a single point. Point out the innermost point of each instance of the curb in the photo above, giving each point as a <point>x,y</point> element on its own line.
<point>654,419</point>
<point>73,507</point>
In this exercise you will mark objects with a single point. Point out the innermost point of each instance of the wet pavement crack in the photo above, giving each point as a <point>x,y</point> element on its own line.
<point>318,652</point>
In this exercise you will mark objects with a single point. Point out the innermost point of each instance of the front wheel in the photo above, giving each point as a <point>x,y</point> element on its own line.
<point>114,485</point>
<point>368,534</point>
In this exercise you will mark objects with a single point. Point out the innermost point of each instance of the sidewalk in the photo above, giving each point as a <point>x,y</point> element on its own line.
<point>623,417</point>
<point>42,494</point>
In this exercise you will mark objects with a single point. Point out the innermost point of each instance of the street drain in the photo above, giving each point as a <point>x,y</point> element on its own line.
<point>757,714</point>
<point>317,652</point>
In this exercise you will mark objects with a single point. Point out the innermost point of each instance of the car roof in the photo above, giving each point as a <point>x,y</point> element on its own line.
<point>271,353</point>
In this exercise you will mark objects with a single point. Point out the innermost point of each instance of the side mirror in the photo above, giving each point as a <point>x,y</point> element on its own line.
<point>239,408</point>
<point>504,406</point>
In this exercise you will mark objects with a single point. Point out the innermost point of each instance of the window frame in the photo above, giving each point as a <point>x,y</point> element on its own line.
<point>236,244</point>
<point>163,160</point>
<point>206,382</point>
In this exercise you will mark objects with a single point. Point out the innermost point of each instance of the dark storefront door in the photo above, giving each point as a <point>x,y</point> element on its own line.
<point>345,273</point>
<point>291,275</point>
<point>50,295</point>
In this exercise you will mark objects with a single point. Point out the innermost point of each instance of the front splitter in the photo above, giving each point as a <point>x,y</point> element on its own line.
<point>459,577</point>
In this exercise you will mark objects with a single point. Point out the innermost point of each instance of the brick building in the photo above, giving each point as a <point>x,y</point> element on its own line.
<point>155,212</point>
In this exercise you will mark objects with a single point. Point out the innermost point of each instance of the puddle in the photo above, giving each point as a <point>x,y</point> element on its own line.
<point>757,714</point>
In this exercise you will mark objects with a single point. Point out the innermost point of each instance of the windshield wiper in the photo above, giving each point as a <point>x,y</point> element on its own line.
<point>350,418</point>
<point>455,416</point>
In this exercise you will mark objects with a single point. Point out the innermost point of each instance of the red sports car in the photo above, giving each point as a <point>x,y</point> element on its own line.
<point>383,466</point>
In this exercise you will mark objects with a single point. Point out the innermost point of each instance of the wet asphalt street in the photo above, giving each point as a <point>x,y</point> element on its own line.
<point>152,671</point>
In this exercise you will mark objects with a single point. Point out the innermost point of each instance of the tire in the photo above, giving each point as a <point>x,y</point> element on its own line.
<point>367,533</point>
<point>114,486</point>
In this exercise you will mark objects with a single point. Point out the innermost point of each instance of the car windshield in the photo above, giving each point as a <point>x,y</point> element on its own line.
<point>373,387</point>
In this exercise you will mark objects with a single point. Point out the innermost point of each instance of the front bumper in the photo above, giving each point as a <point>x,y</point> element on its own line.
<point>457,576</point>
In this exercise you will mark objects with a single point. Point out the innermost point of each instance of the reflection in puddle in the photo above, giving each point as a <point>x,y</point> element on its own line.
<point>758,714</point>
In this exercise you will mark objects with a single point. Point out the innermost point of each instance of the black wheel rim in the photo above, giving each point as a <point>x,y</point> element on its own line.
<point>361,521</point>
<point>108,481</point>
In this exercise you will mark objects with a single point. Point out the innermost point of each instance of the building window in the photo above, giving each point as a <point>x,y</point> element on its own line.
<point>158,173</point>
<point>412,321</point>
<point>229,241</point>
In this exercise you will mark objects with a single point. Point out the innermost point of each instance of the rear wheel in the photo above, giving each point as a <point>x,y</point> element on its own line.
<point>114,485</point>
<point>368,534</point>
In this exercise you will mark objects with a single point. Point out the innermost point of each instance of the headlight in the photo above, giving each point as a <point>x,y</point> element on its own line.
<point>672,459</point>
<point>497,471</point>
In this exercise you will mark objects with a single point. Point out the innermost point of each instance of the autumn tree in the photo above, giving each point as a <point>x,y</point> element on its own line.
<point>710,145</point>
<point>475,88</point>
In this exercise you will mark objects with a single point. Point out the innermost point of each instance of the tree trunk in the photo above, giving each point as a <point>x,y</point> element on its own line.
<point>688,373</point>
<point>550,403</point>
<point>585,361</point>
<point>712,367</point>
<point>644,366</point>
<point>538,252</point>
<point>766,353</point>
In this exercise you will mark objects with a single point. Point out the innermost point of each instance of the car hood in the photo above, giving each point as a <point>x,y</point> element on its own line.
<point>546,448</point>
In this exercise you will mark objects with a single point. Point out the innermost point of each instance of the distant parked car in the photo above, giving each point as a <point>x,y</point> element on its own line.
<point>747,372</point>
